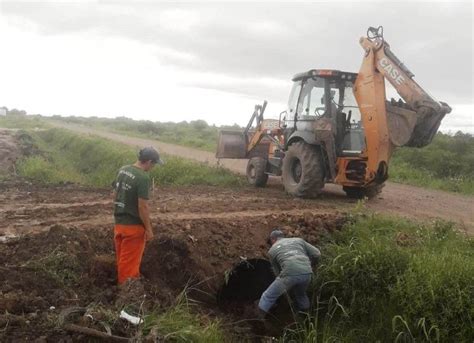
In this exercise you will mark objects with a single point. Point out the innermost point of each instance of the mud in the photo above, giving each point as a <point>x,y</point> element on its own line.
<point>207,240</point>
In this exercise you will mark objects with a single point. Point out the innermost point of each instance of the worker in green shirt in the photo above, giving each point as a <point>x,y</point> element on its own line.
<point>291,260</point>
<point>132,215</point>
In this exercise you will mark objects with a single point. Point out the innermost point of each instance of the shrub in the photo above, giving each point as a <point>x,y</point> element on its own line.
<point>397,279</point>
<point>444,164</point>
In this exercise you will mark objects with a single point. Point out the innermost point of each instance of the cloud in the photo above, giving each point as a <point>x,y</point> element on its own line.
<point>258,41</point>
<point>270,89</point>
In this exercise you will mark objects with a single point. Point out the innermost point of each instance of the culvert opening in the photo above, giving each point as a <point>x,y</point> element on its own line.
<point>246,282</point>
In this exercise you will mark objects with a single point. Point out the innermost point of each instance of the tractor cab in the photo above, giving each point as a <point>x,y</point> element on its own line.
<point>325,96</point>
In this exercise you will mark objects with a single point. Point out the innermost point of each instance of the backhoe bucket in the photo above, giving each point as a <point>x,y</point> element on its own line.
<point>414,129</point>
<point>401,123</point>
<point>232,144</point>
<point>428,122</point>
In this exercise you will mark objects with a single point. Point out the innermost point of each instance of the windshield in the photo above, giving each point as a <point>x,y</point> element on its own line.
<point>311,101</point>
<point>293,100</point>
<point>318,96</point>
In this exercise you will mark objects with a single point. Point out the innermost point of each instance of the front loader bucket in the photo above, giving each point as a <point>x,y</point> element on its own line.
<point>232,144</point>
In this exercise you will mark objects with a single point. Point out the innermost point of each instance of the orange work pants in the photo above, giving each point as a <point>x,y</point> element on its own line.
<point>129,247</point>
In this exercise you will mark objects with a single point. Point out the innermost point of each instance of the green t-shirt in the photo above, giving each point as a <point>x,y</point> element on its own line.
<point>130,184</point>
<point>292,256</point>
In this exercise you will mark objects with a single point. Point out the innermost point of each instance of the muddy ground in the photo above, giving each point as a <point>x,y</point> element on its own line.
<point>57,251</point>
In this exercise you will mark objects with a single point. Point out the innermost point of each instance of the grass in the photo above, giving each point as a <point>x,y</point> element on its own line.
<point>62,267</point>
<point>389,279</point>
<point>196,134</point>
<point>445,164</point>
<point>181,324</point>
<point>403,172</point>
<point>19,121</point>
<point>89,160</point>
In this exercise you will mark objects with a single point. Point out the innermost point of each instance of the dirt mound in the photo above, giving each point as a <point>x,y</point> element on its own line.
<point>61,255</point>
<point>10,151</point>
<point>52,270</point>
<point>167,260</point>
<point>46,273</point>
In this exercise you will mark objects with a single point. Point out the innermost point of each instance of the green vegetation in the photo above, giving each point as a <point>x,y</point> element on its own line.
<point>195,134</point>
<point>446,164</point>
<point>388,279</point>
<point>181,324</point>
<point>68,157</point>
<point>19,120</point>
<point>60,266</point>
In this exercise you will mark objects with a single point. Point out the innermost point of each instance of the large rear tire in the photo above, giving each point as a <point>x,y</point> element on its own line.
<point>360,193</point>
<point>303,170</point>
<point>256,172</point>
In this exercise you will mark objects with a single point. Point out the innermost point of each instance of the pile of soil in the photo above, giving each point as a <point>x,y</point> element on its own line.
<point>10,151</point>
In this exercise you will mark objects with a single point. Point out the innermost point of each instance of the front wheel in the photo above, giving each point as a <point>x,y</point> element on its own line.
<point>303,170</point>
<point>256,172</point>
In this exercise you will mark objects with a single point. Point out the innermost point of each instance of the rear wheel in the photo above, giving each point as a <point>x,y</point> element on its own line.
<point>361,192</point>
<point>303,170</point>
<point>256,172</point>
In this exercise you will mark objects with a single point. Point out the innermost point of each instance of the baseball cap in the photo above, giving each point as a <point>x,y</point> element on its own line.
<point>276,233</point>
<point>150,154</point>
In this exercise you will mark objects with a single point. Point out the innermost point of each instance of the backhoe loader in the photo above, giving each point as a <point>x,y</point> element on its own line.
<point>338,127</point>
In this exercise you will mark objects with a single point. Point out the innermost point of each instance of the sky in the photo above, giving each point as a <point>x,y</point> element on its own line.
<point>175,61</point>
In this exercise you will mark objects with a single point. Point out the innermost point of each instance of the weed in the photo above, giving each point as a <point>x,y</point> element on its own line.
<point>409,335</point>
<point>62,267</point>
<point>19,121</point>
<point>180,324</point>
<point>396,280</point>
<point>68,157</point>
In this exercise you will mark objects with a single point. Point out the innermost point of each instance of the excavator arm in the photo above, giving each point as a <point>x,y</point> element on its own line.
<point>429,112</point>
<point>387,125</point>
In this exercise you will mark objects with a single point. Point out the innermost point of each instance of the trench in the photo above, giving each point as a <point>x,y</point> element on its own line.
<point>246,282</point>
<point>243,288</point>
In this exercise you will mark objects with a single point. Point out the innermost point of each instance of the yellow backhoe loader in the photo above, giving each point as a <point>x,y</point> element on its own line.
<point>338,127</point>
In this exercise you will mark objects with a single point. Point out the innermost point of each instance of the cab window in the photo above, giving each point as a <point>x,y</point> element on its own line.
<point>311,102</point>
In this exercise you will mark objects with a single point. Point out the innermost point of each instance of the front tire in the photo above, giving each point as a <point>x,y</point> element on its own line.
<point>256,172</point>
<point>303,170</point>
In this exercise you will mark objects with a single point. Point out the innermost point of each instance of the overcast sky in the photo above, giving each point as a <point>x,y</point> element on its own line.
<point>173,61</point>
